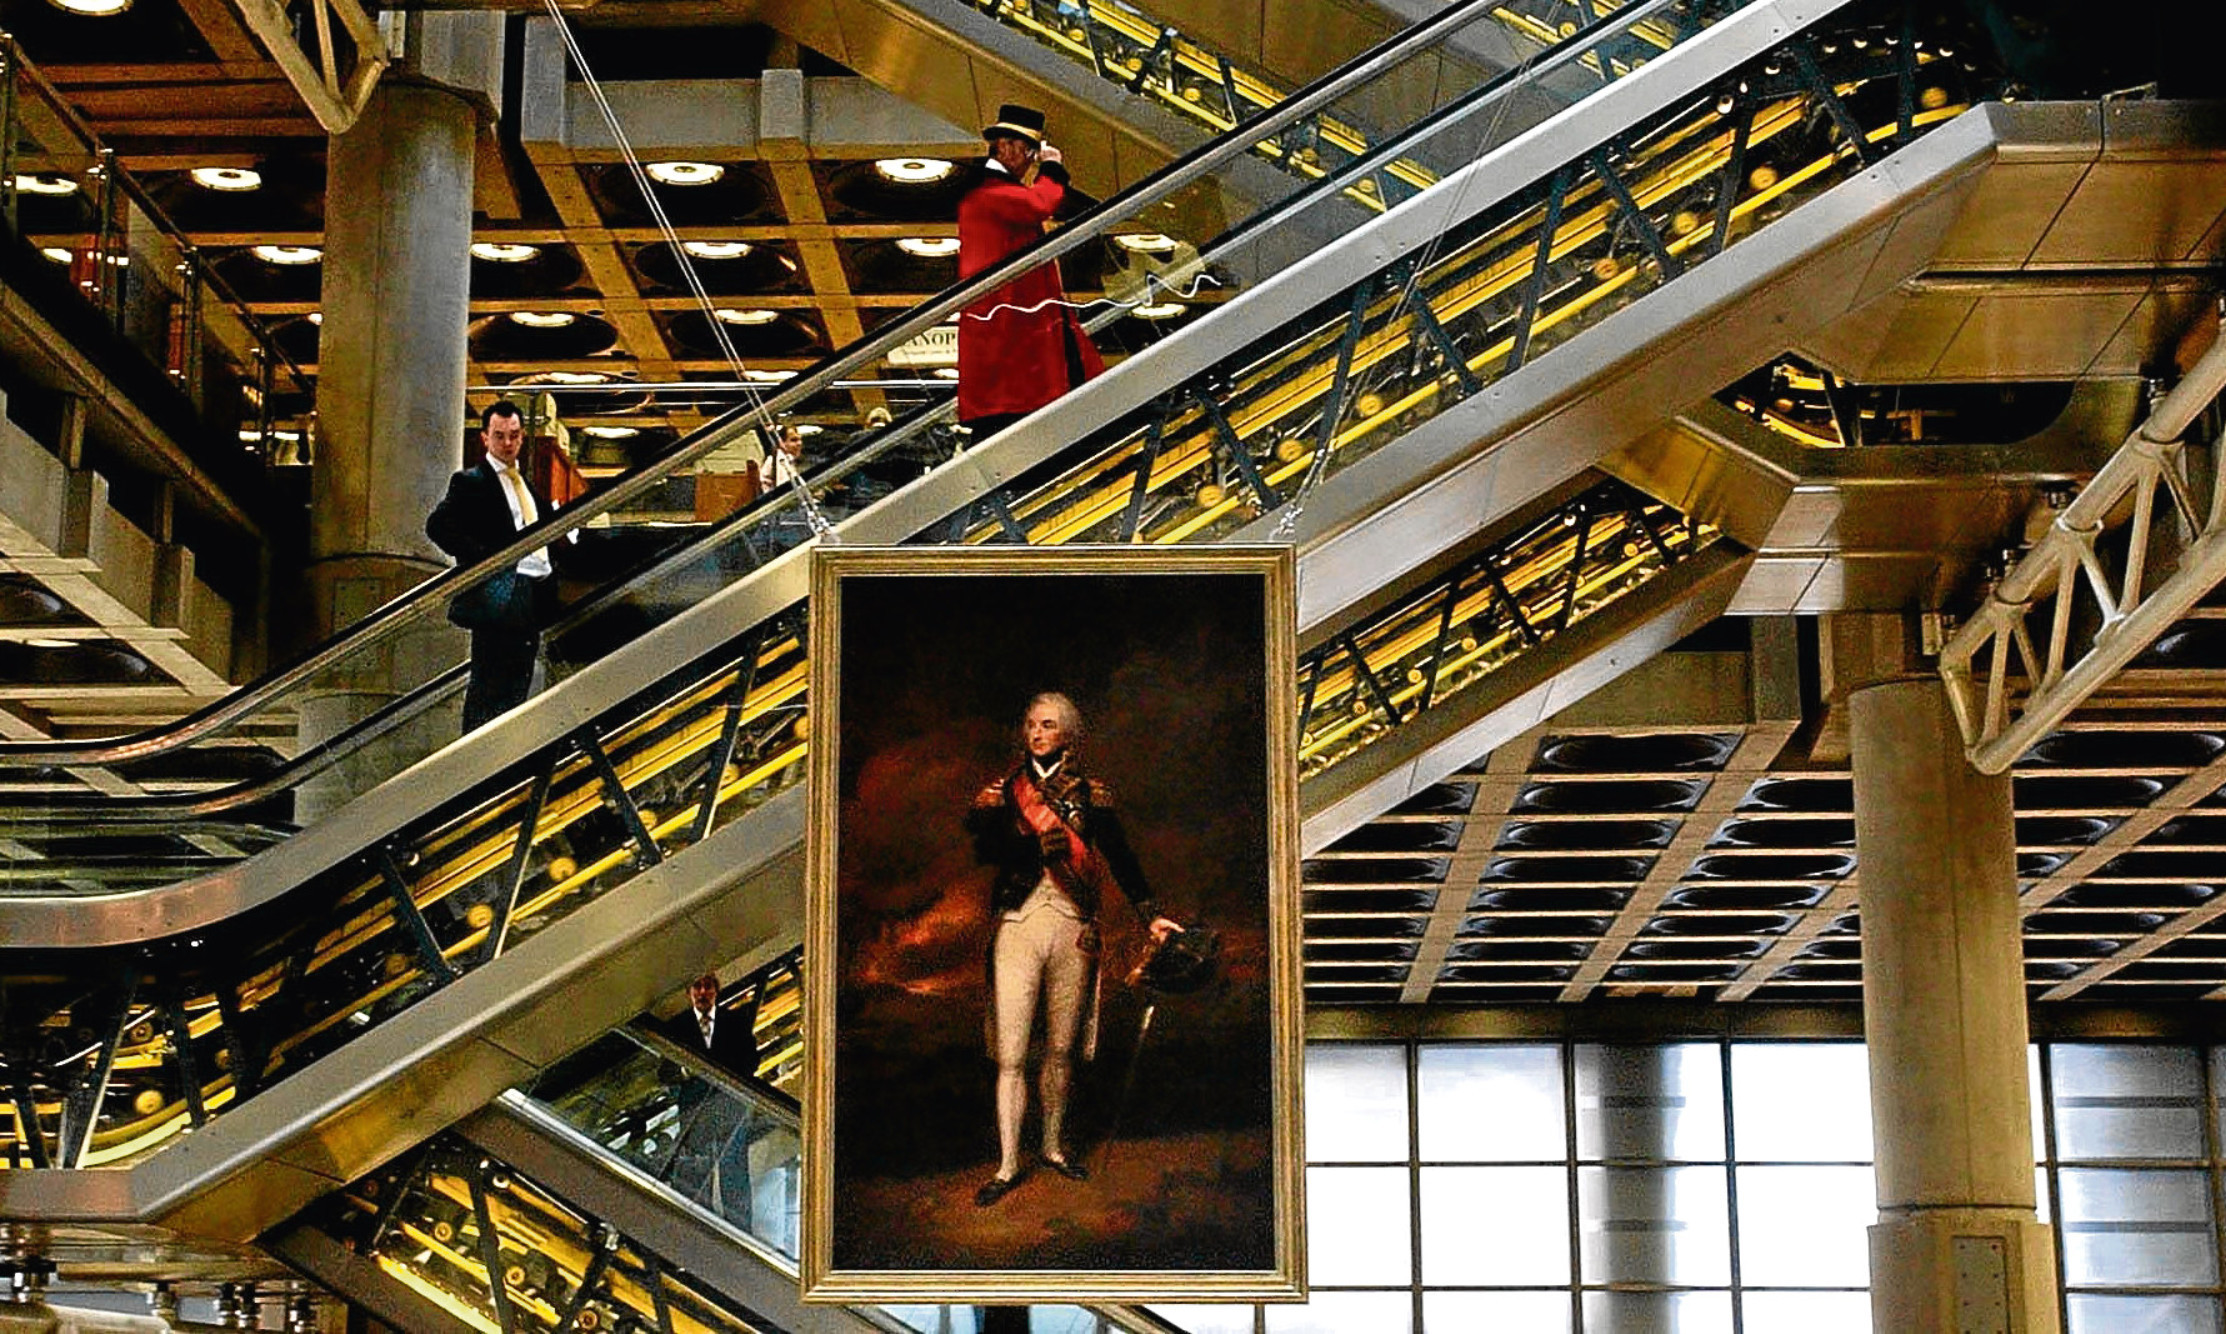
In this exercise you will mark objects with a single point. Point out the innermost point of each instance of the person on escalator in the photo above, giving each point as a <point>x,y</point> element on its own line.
<point>710,1161</point>
<point>1022,345</point>
<point>486,506</point>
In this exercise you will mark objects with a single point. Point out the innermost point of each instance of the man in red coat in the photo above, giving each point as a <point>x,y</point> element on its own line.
<point>1021,346</point>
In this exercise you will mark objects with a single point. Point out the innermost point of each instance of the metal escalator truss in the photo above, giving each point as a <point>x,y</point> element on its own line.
<point>2173,556</point>
<point>612,836</point>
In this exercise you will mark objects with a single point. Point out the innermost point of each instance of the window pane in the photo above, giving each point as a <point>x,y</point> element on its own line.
<point>2095,1314</point>
<point>1657,1313</point>
<point>1655,1225</point>
<point>1206,1319</point>
<point>1491,1104</point>
<point>2033,1096</point>
<point>1808,1312</point>
<point>1530,1312</point>
<point>2127,1102</point>
<point>1356,1103</point>
<point>1805,1102</point>
<point>2125,1225</point>
<point>930,1319</point>
<point>1344,1312</point>
<point>1357,1225</point>
<point>1805,1227</point>
<point>2040,1192</point>
<point>1650,1103</point>
<point>1494,1225</point>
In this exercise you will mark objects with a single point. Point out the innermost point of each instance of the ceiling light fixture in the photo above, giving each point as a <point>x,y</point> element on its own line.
<point>43,641</point>
<point>807,428</point>
<point>543,319</point>
<point>94,9</point>
<point>576,377</point>
<point>504,252</point>
<point>288,254</point>
<point>228,180</point>
<point>929,247</point>
<point>716,249</point>
<point>316,317</point>
<point>767,377</point>
<point>45,183</point>
<point>58,254</point>
<point>1145,243</point>
<point>1165,310</point>
<point>913,170</point>
<point>751,317</point>
<point>946,372</point>
<point>685,173</point>
<point>602,431</point>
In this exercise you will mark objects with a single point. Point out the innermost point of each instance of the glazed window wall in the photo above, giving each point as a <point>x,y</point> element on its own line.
<point>1709,1188</point>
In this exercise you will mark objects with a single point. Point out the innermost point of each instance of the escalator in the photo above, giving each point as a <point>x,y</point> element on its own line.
<point>633,1166</point>
<point>498,904</point>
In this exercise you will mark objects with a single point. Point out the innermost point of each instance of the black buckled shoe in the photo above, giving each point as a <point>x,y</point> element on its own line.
<point>993,1190</point>
<point>1071,1171</point>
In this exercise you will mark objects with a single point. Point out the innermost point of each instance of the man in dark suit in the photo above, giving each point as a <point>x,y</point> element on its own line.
<point>486,505</point>
<point>725,1037</point>
<point>710,1162</point>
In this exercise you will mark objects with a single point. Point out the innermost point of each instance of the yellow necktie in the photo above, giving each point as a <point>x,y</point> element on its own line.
<point>527,514</point>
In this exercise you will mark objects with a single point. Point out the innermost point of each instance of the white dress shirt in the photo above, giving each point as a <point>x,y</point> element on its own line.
<point>534,564</point>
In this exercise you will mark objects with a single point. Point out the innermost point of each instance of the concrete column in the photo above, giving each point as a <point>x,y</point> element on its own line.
<point>1957,1248</point>
<point>390,403</point>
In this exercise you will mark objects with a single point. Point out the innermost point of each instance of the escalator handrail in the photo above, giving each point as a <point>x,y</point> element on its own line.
<point>79,920</point>
<point>432,596</point>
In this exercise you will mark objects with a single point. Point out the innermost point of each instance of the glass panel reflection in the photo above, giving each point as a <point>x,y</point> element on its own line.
<point>2127,1102</point>
<point>1802,1102</point>
<point>1496,1103</point>
<point>2127,1226</point>
<point>1356,1103</point>
<point>1650,1103</point>
<point>1805,1226</point>
<point>1659,1313</point>
<point>1357,1225</point>
<point>2095,1313</point>
<point>1654,1225</point>
<point>1495,1225</point>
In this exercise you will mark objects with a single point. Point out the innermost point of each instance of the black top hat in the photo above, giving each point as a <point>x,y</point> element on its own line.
<point>1017,121</point>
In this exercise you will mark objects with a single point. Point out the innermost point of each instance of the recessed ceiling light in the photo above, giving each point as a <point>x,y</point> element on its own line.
<point>609,432</point>
<point>288,254</point>
<point>45,183</point>
<point>716,249</point>
<point>1165,310</point>
<point>43,641</point>
<point>946,372</point>
<point>929,247</point>
<point>58,254</point>
<point>543,319</point>
<point>767,377</point>
<point>98,9</point>
<point>575,377</point>
<point>913,170</point>
<point>504,252</point>
<point>230,180</point>
<point>685,173</point>
<point>1145,243</point>
<point>727,316</point>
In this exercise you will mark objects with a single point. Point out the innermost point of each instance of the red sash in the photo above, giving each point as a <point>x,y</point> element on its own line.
<point>1082,870</point>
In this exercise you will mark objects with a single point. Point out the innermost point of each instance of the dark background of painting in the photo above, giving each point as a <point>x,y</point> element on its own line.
<point>936,672</point>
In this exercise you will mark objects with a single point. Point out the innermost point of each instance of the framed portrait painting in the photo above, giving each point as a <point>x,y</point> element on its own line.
<point>1052,942</point>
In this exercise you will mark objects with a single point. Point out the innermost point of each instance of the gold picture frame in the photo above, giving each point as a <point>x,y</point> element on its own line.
<point>1183,1171</point>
